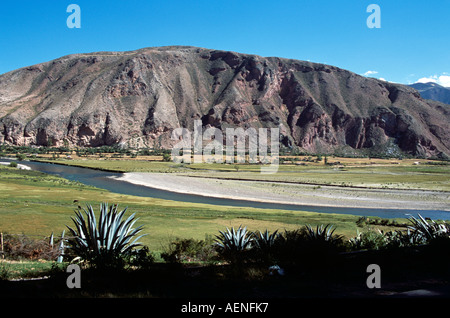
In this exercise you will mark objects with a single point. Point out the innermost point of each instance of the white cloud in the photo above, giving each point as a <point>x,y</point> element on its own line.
<point>426,80</point>
<point>443,80</point>
<point>370,73</point>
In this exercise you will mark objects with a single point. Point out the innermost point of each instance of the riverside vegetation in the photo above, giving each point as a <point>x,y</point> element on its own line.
<point>231,245</point>
<point>108,246</point>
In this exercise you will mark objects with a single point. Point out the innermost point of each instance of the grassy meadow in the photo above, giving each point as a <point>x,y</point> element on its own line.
<point>35,203</point>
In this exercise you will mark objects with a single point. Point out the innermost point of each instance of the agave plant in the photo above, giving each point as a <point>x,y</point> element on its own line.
<point>264,240</point>
<point>321,233</point>
<point>428,230</point>
<point>265,246</point>
<point>233,243</point>
<point>321,242</point>
<point>107,241</point>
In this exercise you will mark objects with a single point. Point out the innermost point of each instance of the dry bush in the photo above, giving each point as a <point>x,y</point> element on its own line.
<point>21,246</point>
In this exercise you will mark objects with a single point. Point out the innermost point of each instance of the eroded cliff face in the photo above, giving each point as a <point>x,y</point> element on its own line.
<point>137,98</point>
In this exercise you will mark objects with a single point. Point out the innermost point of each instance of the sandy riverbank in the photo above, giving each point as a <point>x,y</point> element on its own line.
<point>284,193</point>
<point>19,165</point>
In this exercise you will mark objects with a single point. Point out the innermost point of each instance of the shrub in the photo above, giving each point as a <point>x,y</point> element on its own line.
<point>398,239</point>
<point>369,240</point>
<point>377,240</point>
<point>190,250</point>
<point>17,247</point>
<point>364,220</point>
<point>141,258</point>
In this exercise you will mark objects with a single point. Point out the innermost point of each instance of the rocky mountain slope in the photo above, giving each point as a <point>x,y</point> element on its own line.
<point>137,98</point>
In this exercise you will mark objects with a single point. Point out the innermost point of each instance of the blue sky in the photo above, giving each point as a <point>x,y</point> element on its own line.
<point>412,44</point>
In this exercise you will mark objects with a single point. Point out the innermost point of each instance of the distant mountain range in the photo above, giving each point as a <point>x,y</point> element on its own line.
<point>433,91</point>
<point>137,98</point>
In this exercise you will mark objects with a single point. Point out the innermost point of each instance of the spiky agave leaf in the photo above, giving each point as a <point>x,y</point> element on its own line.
<point>234,244</point>
<point>321,233</point>
<point>85,232</point>
<point>109,238</point>
<point>264,240</point>
<point>120,232</point>
<point>234,240</point>
<point>79,243</point>
<point>427,229</point>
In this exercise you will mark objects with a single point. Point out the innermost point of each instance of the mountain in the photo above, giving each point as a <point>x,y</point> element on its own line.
<point>137,98</point>
<point>433,91</point>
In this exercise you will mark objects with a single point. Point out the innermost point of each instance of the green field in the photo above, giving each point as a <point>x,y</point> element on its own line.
<point>35,203</point>
<point>364,172</point>
<point>391,177</point>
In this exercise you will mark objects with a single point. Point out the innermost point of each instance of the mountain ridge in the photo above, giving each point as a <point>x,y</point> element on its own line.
<point>433,91</point>
<point>138,97</point>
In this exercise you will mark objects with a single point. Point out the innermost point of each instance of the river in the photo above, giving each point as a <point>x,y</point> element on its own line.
<point>105,180</point>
